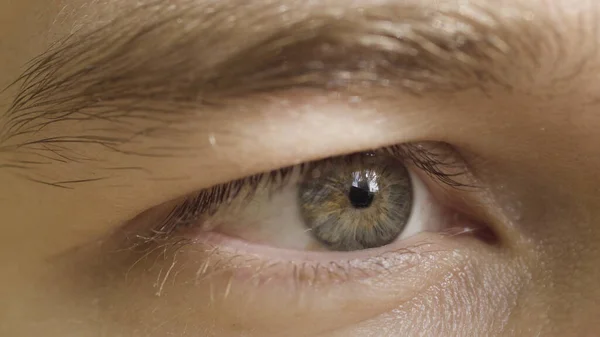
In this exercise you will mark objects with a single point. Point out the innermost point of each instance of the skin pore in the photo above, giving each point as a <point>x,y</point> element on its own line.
<point>127,108</point>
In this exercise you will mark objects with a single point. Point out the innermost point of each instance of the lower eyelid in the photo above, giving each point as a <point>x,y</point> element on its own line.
<point>243,285</point>
<point>426,255</point>
<point>243,261</point>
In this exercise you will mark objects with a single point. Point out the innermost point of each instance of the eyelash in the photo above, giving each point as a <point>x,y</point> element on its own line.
<point>434,159</point>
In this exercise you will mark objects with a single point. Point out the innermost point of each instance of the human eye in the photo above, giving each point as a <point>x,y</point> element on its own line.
<point>372,205</point>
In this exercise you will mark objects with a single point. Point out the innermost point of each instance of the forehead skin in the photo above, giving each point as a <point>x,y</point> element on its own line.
<point>535,141</point>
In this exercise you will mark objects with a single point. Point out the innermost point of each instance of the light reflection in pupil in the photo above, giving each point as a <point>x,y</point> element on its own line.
<point>363,189</point>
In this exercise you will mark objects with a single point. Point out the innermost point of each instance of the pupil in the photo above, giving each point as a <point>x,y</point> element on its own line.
<point>360,196</point>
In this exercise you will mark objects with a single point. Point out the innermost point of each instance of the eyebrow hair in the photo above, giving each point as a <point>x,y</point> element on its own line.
<point>159,61</point>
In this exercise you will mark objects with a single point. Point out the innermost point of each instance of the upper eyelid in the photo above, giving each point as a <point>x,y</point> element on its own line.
<point>66,81</point>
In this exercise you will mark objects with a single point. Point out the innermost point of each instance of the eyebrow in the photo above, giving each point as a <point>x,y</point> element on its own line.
<point>161,60</point>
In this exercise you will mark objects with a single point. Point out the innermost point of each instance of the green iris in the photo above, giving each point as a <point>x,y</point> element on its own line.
<point>357,203</point>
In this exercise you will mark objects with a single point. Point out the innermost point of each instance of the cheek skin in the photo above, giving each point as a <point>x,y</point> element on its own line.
<point>469,304</point>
